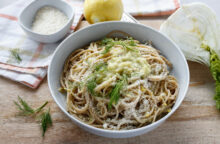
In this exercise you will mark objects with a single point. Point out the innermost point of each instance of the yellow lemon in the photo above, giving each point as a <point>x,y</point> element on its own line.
<point>102,10</point>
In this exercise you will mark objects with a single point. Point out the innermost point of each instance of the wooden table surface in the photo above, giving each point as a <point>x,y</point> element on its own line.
<point>196,120</point>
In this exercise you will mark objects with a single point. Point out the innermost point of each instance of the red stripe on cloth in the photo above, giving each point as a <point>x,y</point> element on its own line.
<point>35,85</point>
<point>9,17</point>
<point>40,78</point>
<point>32,71</point>
<point>176,3</point>
<point>16,68</point>
<point>155,14</point>
<point>37,53</point>
<point>36,69</point>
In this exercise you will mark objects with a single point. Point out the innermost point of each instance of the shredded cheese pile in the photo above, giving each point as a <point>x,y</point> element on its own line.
<point>49,20</point>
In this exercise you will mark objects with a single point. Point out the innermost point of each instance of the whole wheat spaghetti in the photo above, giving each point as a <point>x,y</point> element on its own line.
<point>118,84</point>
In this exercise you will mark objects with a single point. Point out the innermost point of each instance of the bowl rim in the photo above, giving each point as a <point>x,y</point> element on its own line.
<point>154,124</point>
<point>32,4</point>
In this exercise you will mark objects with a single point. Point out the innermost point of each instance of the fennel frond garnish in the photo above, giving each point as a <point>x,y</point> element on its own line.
<point>38,113</point>
<point>116,91</point>
<point>127,44</point>
<point>15,56</point>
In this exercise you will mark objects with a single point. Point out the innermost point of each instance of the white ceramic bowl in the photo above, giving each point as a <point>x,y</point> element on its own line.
<point>27,15</point>
<point>96,32</point>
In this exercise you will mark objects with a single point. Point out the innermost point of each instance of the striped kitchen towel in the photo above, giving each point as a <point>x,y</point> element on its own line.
<point>36,56</point>
<point>150,7</point>
<point>144,7</point>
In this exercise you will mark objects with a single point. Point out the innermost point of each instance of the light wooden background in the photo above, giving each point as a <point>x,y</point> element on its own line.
<point>195,122</point>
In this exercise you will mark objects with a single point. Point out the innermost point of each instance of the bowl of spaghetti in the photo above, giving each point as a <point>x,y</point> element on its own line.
<point>118,79</point>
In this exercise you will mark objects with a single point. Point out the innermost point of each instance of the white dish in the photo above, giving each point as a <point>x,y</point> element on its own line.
<point>96,32</point>
<point>27,15</point>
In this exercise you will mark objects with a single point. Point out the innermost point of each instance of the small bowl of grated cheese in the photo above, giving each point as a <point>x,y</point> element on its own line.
<point>46,21</point>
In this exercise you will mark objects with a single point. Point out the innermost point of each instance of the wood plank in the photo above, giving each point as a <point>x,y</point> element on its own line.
<point>196,121</point>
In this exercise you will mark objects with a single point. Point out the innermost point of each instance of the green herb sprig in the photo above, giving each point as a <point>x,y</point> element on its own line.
<point>100,67</point>
<point>46,121</point>
<point>115,93</point>
<point>26,110</point>
<point>15,55</point>
<point>110,42</point>
<point>91,83</point>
